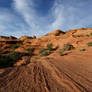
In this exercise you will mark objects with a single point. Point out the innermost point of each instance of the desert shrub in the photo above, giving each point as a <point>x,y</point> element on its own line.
<point>67,47</point>
<point>91,33</point>
<point>61,52</point>
<point>44,52</point>
<point>16,55</point>
<point>5,61</point>
<point>50,46</point>
<point>82,49</point>
<point>89,44</point>
<point>8,61</point>
<point>16,45</point>
<point>47,57</point>
<point>29,49</point>
<point>20,43</point>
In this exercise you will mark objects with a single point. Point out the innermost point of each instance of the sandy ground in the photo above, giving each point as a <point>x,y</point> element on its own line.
<point>71,73</point>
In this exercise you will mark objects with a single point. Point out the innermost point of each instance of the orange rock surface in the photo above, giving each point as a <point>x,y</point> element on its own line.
<point>53,73</point>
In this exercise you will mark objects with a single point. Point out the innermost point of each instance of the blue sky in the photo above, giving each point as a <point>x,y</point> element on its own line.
<point>38,17</point>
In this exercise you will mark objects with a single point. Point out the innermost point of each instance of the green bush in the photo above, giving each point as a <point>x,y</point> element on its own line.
<point>44,52</point>
<point>61,52</point>
<point>20,43</point>
<point>30,49</point>
<point>68,47</point>
<point>8,61</point>
<point>16,45</point>
<point>5,61</point>
<point>50,46</point>
<point>89,44</point>
<point>82,49</point>
<point>16,55</point>
<point>47,57</point>
<point>91,34</point>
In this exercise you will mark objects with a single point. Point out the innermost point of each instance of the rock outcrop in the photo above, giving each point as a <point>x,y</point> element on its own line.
<point>5,38</point>
<point>55,33</point>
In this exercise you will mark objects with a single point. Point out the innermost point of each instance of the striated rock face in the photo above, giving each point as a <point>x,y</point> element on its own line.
<point>55,33</point>
<point>8,40</point>
<point>81,32</point>
<point>53,73</point>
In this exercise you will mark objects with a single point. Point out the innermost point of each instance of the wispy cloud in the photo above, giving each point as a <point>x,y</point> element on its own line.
<point>60,16</point>
<point>10,24</point>
<point>70,15</point>
<point>39,24</point>
<point>57,14</point>
<point>63,14</point>
<point>27,10</point>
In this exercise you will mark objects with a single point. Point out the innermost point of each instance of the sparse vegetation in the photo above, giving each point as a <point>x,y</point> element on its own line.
<point>47,58</point>
<point>16,45</point>
<point>29,49</point>
<point>82,49</point>
<point>10,59</point>
<point>50,46</point>
<point>44,52</point>
<point>16,55</point>
<point>89,44</point>
<point>61,52</point>
<point>5,61</point>
<point>91,33</point>
<point>66,47</point>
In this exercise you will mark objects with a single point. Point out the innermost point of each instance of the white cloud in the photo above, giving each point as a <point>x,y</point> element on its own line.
<point>10,24</point>
<point>70,15</point>
<point>25,8</point>
<point>57,13</point>
<point>62,16</point>
<point>39,24</point>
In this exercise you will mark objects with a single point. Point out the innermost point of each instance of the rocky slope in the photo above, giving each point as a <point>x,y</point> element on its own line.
<point>71,72</point>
